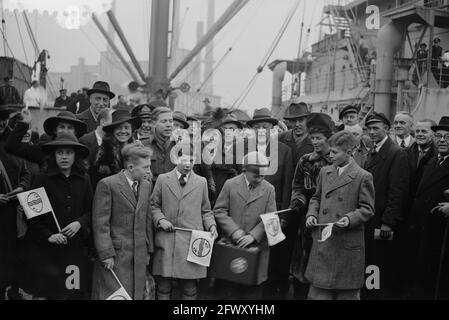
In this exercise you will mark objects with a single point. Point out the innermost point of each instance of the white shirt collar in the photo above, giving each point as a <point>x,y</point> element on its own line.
<point>380,144</point>
<point>130,182</point>
<point>340,170</point>
<point>179,174</point>
<point>99,138</point>
<point>247,182</point>
<point>406,140</point>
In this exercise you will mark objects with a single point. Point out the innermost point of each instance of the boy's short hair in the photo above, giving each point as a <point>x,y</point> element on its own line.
<point>160,110</point>
<point>133,151</point>
<point>344,140</point>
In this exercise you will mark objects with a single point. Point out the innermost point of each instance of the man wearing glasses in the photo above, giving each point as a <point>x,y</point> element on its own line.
<point>427,233</point>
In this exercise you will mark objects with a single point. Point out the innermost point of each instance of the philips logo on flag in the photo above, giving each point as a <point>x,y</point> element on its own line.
<point>34,202</point>
<point>201,247</point>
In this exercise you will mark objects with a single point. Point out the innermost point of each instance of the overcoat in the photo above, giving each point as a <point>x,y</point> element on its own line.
<point>426,230</point>
<point>87,117</point>
<point>288,139</point>
<point>339,262</point>
<point>238,208</point>
<point>185,207</point>
<point>390,171</point>
<point>123,230</point>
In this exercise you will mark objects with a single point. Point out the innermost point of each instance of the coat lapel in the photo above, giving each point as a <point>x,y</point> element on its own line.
<point>125,189</point>
<point>243,189</point>
<point>337,181</point>
<point>173,184</point>
<point>192,184</point>
<point>256,194</point>
<point>433,174</point>
<point>380,156</point>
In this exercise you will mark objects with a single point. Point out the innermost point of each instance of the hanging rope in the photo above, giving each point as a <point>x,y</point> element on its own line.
<point>21,38</point>
<point>217,65</point>
<point>238,102</point>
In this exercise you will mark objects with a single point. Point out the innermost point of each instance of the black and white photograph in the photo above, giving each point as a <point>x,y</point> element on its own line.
<point>230,157</point>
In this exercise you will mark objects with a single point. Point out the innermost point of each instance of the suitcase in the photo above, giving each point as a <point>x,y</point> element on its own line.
<point>246,266</point>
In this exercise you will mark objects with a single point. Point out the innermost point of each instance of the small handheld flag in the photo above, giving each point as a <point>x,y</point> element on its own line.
<point>272,227</point>
<point>35,203</point>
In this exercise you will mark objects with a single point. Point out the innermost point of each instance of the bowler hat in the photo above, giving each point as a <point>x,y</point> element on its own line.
<point>262,115</point>
<point>101,87</point>
<point>321,122</point>
<point>377,117</point>
<point>349,109</point>
<point>182,118</point>
<point>64,116</point>
<point>443,125</point>
<point>230,118</point>
<point>296,111</point>
<point>66,140</point>
<point>122,116</point>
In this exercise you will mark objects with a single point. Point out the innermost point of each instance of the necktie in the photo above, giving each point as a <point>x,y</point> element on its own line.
<point>182,180</point>
<point>250,187</point>
<point>403,144</point>
<point>421,155</point>
<point>134,187</point>
<point>440,160</point>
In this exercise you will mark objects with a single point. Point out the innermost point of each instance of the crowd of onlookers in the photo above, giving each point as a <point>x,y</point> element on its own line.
<point>126,186</point>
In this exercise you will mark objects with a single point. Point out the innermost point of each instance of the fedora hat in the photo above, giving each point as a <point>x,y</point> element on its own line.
<point>296,111</point>
<point>66,140</point>
<point>122,116</point>
<point>349,109</point>
<point>101,87</point>
<point>262,115</point>
<point>64,116</point>
<point>230,118</point>
<point>182,118</point>
<point>443,125</point>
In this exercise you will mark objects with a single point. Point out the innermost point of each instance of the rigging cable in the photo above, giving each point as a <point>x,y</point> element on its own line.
<point>238,102</point>
<point>242,32</point>
<point>12,54</point>
<point>21,37</point>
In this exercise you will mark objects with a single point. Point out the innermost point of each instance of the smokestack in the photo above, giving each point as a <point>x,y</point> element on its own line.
<point>389,40</point>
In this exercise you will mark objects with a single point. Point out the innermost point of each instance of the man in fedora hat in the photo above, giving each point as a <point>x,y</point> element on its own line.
<point>225,165</point>
<point>8,93</point>
<point>297,137</point>
<point>94,139</point>
<point>64,122</point>
<point>144,112</point>
<point>262,123</point>
<point>99,96</point>
<point>63,100</point>
<point>387,162</point>
<point>14,178</point>
<point>428,261</point>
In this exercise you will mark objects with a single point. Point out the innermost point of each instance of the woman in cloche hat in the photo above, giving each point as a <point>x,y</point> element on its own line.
<point>108,160</point>
<point>70,194</point>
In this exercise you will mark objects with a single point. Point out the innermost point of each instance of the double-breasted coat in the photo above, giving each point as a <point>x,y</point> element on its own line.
<point>123,229</point>
<point>238,208</point>
<point>185,207</point>
<point>339,262</point>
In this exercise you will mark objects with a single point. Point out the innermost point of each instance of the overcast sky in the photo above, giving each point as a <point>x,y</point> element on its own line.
<point>250,33</point>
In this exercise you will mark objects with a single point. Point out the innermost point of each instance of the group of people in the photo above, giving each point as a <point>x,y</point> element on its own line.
<point>125,195</point>
<point>438,57</point>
